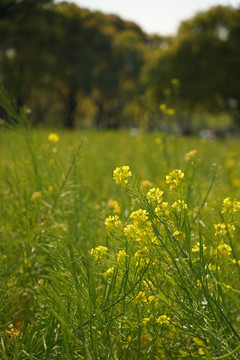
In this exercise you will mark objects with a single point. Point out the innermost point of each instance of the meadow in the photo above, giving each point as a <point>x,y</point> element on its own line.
<point>118,245</point>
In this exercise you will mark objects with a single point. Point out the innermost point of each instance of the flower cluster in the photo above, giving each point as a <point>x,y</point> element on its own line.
<point>53,138</point>
<point>98,252</point>
<point>121,175</point>
<point>173,178</point>
<point>223,229</point>
<point>179,205</point>
<point>230,206</point>
<point>190,155</point>
<point>163,319</point>
<point>154,195</point>
<point>112,223</point>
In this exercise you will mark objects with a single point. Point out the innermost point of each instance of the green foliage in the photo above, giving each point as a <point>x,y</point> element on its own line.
<point>159,280</point>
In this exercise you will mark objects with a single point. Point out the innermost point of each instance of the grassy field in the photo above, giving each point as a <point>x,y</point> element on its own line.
<point>142,266</point>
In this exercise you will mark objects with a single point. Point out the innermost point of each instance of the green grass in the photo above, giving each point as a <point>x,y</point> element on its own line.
<point>56,302</point>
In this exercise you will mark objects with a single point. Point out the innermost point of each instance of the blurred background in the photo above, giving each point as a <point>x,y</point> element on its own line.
<point>171,67</point>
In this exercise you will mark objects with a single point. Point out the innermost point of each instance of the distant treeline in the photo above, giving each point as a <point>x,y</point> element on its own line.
<point>74,67</point>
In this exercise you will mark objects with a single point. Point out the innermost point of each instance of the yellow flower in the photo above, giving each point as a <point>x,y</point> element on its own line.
<point>170,112</point>
<point>223,249</point>
<point>152,299</point>
<point>223,229</point>
<point>139,216</point>
<point>230,206</point>
<point>179,205</point>
<point>121,174</point>
<point>145,184</point>
<point>162,209</point>
<point>196,248</point>
<point>113,205</point>
<point>179,236</point>
<point>98,252</point>
<point>163,319</point>
<point>140,298</point>
<point>36,195</point>
<point>109,272</point>
<point>173,178</point>
<point>163,107</point>
<point>154,195</point>
<point>141,257</point>
<point>146,320</point>
<point>121,256</point>
<point>112,223</point>
<point>53,137</point>
<point>130,231</point>
<point>190,155</point>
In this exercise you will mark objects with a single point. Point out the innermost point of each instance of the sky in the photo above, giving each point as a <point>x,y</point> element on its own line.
<point>154,16</point>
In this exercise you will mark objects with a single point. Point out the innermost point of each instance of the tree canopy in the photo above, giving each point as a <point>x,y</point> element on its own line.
<point>75,67</point>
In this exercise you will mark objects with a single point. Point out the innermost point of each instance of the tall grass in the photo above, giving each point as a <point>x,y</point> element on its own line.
<point>91,269</point>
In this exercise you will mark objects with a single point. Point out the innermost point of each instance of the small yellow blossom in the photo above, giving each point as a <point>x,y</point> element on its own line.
<point>162,209</point>
<point>53,138</point>
<point>170,111</point>
<point>146,320</point>
<point>109,272</point>
<point>121,256</point>
<point>163,319</point>
<point>223,249</point>
<point>190,155</point>
<point>98,252</point>
<point>211,267</point>
<point>173,178</point>
<point>114,206</point>
<point>145,184</point>
<point>179,205</point>
<point>196,248</point>
<point>234,261</point>
<point>152,299</point>
<point>154,195</point>
<point>113,223</point>
<point>230,206</point>
<point>139,216</point>
<point>140,298</point>
<point>223,229</point>
<point>121,174</point>
<point>141,257</point>
<point>179,236</point>
<point>130,231</point>
<point>163,107</point>
<point>36,195</point>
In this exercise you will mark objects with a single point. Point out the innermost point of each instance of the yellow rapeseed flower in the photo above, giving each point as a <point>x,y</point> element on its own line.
<point>140,298</point>
<point>114,206</point>
<point>179,205</point>
<point>112,223</point>
<point>98,252</point>
<point>53,137</point>
<point>121,174</point>
<point>162,209</point>
<point>36,195</point>
<point>163,319</point>
<point>230,206</point>
<point>121,256</point>
<point>223,249</point>
<point>179,236</point>
<point>173,178</point>
<point>109,272</point>
<point>139,217</point>
<point>154,195</point>
<point>190,155</point>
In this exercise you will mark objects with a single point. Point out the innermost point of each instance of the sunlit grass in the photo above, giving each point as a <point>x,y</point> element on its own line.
<point>164,283</point>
